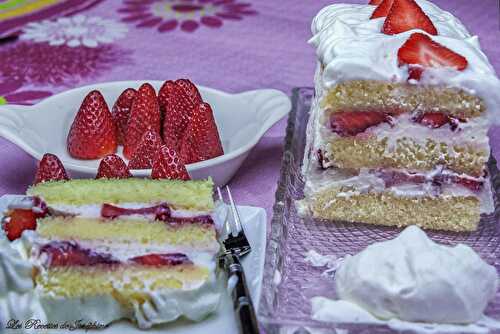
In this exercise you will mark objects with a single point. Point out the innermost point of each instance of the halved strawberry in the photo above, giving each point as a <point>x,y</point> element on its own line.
<point>50,168</point>
<point>167,165</point>
<point>171,259</point>
<point>178,100</point>
<point>383,9</point>
<point>201,140</point>
<point>121,112</point>
<point>433,120</point>
<point>145,152</point>
<point>68,253</point>
<point>113,167</point>
<point>421,50</point>
<point>350,123</point>
<point>93,132</point>
<point>144,116</point>
<point>375,2</point>
<point>17,221</point>
<point>406,15</point>
<point>471,184</point>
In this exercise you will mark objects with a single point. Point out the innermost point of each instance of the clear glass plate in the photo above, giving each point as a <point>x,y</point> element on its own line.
<point>285,307</point>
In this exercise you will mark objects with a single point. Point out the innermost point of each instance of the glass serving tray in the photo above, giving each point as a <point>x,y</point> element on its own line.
<point>290,283</point>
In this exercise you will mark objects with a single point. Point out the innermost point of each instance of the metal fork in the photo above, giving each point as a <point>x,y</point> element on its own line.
<point>235,246</point>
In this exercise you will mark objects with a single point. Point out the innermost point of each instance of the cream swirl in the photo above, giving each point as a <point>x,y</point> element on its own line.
<point>414,279</point>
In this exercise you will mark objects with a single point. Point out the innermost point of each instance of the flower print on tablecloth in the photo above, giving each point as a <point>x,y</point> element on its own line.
<point>64,51</point>
<point>89,31</point>
<point>12,92</point>
<point>41,63</point>
<point>17,13</point>
<point>168,15</point>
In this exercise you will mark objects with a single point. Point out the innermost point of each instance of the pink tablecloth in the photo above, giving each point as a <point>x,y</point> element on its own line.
<point>229,45</point>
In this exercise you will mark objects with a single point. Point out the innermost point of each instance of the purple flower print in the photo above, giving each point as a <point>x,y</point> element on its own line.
<point>188,15</point>
<point>41,63</point>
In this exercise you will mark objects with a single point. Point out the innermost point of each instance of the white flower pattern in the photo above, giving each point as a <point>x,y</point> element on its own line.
<point>79,30</point>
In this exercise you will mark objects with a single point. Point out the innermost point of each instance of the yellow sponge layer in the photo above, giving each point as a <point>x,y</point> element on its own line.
<point>353,152</point>
<point>386,96</point>
<point>191,195</point>
<point>124,282</point>
<point>141,231</point>
<point>452,214</point>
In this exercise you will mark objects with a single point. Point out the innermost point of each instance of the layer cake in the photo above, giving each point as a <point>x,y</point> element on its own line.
<point>397,134</point>
<point>108,249</point>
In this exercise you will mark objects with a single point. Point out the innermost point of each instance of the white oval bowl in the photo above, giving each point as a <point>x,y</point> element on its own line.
<point>242,119</point>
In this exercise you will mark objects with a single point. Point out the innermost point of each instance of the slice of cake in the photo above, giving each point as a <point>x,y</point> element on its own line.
<point>108,249</point>
<point>398,127</point>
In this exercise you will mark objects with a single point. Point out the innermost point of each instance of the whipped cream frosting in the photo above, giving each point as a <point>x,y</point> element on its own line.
<point>351,46</point>
<point>18,299</point>
<point>413,278</point>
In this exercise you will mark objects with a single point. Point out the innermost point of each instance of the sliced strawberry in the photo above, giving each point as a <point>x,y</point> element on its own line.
<point>375,2</point>
<point>433,120</point>
<point>50,168</point>
<point>17,221</point>
<point>406,15</point>
<point>113,167</point>
<point>471,184</point>
<point>144,116</point>
<point>201,140</point>
<point>350,123</point>
<point>178,100</point>
<point>421,51</point>
<point>382,10</point>
<point>121,112</point>
<point>167,165</point>
<point>172,259</point>
<point>93,132</point>
<point>67,253</point>
<point>145,152</point>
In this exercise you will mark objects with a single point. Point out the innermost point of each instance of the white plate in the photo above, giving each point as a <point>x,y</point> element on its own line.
<point>242,119</point>
<point>223,321</point>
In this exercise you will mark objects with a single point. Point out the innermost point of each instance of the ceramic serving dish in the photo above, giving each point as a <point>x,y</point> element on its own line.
<point>242,119</point>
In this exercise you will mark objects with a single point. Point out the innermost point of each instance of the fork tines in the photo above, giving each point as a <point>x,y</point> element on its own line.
<point>236,242</point>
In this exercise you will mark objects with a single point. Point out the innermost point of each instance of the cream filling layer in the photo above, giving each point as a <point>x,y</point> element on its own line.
<point>352,184</point>
<point>94,210</point>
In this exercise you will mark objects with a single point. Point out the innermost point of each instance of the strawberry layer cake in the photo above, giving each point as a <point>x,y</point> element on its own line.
<point>111,248</point>
<point>398,127</point>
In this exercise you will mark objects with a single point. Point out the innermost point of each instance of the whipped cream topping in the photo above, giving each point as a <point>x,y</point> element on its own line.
<point>413,278</point>
<point>351,46</point>
<point>17,297</point>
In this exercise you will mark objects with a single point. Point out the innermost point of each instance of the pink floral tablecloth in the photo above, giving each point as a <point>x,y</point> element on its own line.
<point>232,45</point>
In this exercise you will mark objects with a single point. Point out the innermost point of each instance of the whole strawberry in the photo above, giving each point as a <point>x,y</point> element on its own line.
<point>146,150</point>
<point>93,133</point>
<point>113,167</point>
<point>167,165</point>
<point>201,140</point>
<point>178,100</point>
<point>50,168</point>
<point>144,116</point>
<point>121,112</point>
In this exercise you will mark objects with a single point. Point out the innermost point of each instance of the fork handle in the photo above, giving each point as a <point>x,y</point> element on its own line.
<point>242,302</point>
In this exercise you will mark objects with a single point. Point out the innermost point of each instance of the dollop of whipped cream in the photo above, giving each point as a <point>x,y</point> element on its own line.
<point>351,46</point>
<point>18,299</point>
<point>412,278</point>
